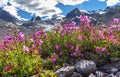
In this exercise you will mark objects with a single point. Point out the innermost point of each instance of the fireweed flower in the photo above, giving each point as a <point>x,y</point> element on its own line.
<point>54,59</point>
<point>80,38</point>
<point>72,23</point>
<point>33,47</point>
<point>81,54</point>
<point>40,42</point>
<point>98,49</point>
<point>37,34</point>
<point>76,49</point>
<point>57,47</point>
<point>8,38</point>
<point>25,48</point>
<point>111,37</point>
<point>103,49</point>
<point>109,31</point>
<point>44,34</point>
<point>116,42</point>
<point>1,47</point>
<point>115,21</point>
<point>7,68</point>
<point>71,47</point>
<point>73,54</point>
<point>21,36</point>
<point>66,45</point>
<point>75,28</point>
<point>84,19</point>
<point>32,40</point>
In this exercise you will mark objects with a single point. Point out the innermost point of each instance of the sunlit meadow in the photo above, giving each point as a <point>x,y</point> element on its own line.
<point>45,52</point>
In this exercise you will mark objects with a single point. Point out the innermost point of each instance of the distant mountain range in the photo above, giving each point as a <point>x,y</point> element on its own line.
<point>10,24</point>
<point>98,17</point>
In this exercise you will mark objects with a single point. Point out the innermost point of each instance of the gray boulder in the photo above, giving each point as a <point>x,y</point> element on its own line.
<point>100,74</point>
<point>86,67</point>
<point>75,74</point>
<point>92,75</point>
<point>118,74</point>
<point>114,70</point>
<point>65,71</point>
<point>111,75</point>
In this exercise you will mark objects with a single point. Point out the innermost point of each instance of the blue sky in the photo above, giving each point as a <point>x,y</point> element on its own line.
<point>25,9</point>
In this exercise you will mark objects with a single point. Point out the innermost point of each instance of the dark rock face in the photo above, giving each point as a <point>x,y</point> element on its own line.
<point>74,16</point>
<point>35,18</point>
<point>113,12</point>
<point>75,12</point>
<point>7,17</point>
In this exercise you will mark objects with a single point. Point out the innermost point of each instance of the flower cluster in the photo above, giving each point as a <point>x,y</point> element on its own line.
<point>48,50</point>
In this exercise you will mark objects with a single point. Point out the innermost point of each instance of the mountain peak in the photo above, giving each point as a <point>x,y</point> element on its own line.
<point>76,9</point>
<point>75,12</point>
<point>36,18</point>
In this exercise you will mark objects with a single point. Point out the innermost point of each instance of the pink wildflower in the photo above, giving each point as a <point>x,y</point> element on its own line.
<point>54,59</point>
<point>76,49</point>
<point>116,42</point>
<point>98,49</point>
<point>21,36</point>
<point>32,40</point>
<point>112,37</point>
<point>25,48</point>
<point>7,68</point>
<point>66,46</point>
<point>1,47</point>
<point>72,23</point>
<point>103,49</point>
<point>40,42</point>
<point>80,38</point>
<point>115,21</point>
<point>84,19</point>
<point>57,47</point>
<point>73,54</point>
<point>8,38</point>
<point>72,47</point>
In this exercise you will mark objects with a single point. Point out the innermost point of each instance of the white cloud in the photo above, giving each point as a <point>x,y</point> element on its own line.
<point>102,0</point>
<point>3,2</point>
<point>13,11</point>
<point>112,2</point>
<point>71,2</point>
<point>38,7</point>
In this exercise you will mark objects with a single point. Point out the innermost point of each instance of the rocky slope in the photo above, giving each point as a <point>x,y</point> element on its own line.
<point>88,68</point>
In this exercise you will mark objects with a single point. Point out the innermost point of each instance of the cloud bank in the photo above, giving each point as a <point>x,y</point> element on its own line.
<point>37,7</point>
<point>110,2</point>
